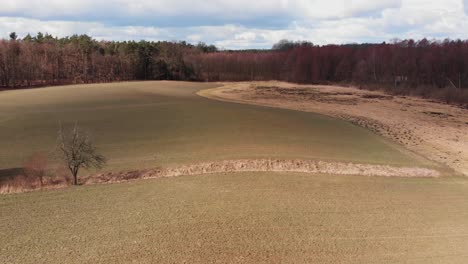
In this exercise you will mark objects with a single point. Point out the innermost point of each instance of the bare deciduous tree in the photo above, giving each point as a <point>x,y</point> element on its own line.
<point>78,151</point>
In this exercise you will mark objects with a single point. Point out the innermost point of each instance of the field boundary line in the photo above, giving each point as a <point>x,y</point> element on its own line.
<point>268,165</point>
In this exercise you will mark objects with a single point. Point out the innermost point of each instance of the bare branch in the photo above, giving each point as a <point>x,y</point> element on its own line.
<point>78,151</point>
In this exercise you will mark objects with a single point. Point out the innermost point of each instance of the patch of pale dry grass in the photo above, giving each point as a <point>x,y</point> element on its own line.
<point>267,165</point>
<point>61,179</point>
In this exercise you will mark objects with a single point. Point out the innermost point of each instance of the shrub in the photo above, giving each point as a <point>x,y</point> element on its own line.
<point>16,184</point>
<point>35,167</point>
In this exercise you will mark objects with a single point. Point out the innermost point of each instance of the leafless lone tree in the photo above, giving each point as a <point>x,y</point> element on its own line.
<point>78,151</point>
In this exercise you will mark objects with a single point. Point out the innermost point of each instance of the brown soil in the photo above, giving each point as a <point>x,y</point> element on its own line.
<point>434,130</point>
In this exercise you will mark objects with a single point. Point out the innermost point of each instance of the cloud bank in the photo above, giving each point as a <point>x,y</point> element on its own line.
<point>239,24</point>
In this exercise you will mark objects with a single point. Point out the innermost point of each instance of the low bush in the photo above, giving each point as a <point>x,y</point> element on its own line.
<point>35,167</point>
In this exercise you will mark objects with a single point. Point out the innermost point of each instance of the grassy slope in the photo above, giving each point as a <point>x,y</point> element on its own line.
<point>164,123</point>
<point>244,217</point>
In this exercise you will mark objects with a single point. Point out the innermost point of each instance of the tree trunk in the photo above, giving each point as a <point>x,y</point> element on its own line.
<point>75,176</point>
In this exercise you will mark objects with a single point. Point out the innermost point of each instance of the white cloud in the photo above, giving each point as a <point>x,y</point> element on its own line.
<point>239,9</point>
<point>419,12</point>
<point>333,21</point>
<point>58,28</point>
<point>319,9</point>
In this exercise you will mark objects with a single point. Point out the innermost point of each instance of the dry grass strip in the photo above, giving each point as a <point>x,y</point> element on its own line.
<point>268,165</point>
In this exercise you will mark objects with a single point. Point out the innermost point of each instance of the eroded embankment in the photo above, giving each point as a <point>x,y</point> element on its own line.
<point>232,166</point>
<point>266,165</point>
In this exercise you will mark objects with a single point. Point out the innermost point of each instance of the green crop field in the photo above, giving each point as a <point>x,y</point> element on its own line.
<point>218,218</point>
<point>148,124</point>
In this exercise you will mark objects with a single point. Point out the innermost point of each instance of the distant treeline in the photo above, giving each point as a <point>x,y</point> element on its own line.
<point>46,60</point>
<point>425,68</point>
<point>434,69</point>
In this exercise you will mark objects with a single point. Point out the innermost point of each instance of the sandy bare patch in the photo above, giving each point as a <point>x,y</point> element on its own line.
<point>267,165</point>
<point>434,130</point>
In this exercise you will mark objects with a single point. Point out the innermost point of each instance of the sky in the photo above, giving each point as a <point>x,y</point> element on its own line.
<point>239,24</point>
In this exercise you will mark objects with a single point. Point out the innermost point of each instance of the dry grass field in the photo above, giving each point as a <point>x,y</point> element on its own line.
<point>241,217</point>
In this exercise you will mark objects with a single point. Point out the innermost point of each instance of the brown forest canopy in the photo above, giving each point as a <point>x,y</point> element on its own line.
<point>45,60</point>
<point>427,68</point>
